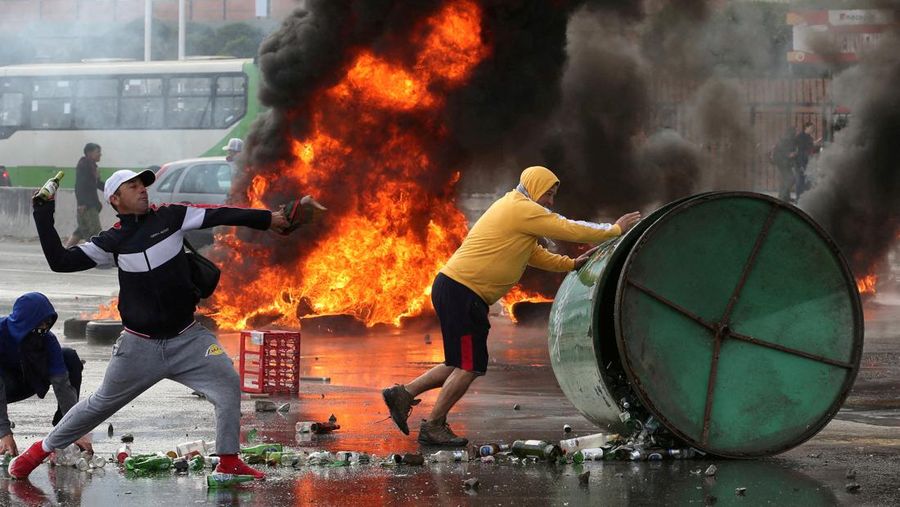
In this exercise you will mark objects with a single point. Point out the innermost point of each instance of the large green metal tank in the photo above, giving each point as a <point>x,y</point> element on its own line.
<point>731,316</point>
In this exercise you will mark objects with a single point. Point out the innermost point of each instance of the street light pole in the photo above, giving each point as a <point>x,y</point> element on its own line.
<point>148,28</point>
<point>181,29</point>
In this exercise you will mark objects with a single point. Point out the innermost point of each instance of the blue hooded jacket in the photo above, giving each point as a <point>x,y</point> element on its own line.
<point>41,357</point>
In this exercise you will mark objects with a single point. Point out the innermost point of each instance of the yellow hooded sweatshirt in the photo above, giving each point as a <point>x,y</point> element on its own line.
<point>504,240</point>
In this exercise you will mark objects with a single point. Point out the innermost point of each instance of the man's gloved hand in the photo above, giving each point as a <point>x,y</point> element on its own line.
<point>8,445</point>
<point>300,212</point>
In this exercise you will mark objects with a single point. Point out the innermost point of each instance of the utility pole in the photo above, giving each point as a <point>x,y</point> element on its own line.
<point>181,29</point>
<point>148,28</point>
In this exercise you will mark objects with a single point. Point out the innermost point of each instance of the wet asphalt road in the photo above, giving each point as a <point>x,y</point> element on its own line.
<point>865,436</point>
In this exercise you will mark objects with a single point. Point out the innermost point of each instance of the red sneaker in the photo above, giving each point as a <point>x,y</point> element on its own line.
<point>22,465</point>
<point>231,464</point>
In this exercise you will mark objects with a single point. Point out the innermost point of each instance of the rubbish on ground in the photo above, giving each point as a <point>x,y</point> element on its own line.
<point>180,465</point>
<point>586,442</point>
<point>567,428</point>
<point>320,458</point>
<point>427,339</point>
<point>488,459</point>
<point>142,465</point>
<point>285,459</point>
<point>304,426</point>
<point>251,435</point>
<point>409,459</point>
<point>516,406</point>
<point>325,427</point>
<point>711,470</point>
<point>472,483</point>
<point>261,449</point>
<point>584,478</point>
<point>284,407</point>
<point>188,448</point>
<point>172,454</point>
<point>488,449</point>
<point>109,430</point>
<point>852,487</point>
<point>217,480</point>
<point>265,406</point>
<point>122,453</point>
<point>591,454</point>
<point>127,438</point>
<point>851,473</point>
<point>449,456</point>
<point>199,394</point>
<point>352,457</point>
<point>740,491</point>
<point>536,449</point>
<point>816,455</point>
<point>323,380</point>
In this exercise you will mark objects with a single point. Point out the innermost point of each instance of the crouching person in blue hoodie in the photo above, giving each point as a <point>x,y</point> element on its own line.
<point>31,360</point>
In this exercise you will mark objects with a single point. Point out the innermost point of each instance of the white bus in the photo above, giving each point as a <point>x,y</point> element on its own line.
<point>141,113</point>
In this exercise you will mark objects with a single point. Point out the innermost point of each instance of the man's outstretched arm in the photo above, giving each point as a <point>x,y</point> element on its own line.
<point>61,259</point>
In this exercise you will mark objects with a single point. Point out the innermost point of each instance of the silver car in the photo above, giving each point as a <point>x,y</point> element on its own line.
<point>204,180</point>
<point>194,181</point>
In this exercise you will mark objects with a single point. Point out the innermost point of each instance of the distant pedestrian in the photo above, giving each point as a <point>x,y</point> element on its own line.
<point>489,262</point>
<point>31,362</point>
<point>804,147</point>
<point>782,156</point>
<point>87,183</point>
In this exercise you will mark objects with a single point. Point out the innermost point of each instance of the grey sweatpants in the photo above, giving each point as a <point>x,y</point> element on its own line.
<point>194,358</point>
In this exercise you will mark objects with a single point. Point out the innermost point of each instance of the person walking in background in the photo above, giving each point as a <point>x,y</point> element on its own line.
<point>87,183</point>
<point>804,147</point>
<point>489,262</point>
<point>782,157</point>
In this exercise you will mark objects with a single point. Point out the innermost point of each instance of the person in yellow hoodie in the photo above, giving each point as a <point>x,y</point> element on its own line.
<point>489,262</point>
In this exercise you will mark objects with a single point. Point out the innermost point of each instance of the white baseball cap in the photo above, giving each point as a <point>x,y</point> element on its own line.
<point>234,144</point>
<point>115,181</point>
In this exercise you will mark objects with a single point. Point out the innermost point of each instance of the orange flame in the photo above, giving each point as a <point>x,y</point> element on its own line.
<point>866,284</point>
<point>519,295</point>
<point>107,311</point>
<point>387,236</point>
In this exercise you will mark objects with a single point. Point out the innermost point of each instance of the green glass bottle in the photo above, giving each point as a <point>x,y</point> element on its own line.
<point>151,464</point>
<point>261,449</point>
<point>536,449</point>
<point>226,480</point>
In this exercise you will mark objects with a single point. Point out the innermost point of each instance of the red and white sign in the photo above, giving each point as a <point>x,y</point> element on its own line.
<point>851,32</point>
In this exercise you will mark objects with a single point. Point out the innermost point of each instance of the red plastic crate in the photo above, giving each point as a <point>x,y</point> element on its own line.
<point>270,361</point>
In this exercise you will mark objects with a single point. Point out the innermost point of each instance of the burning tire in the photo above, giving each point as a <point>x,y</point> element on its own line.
<point>75,328</point>
<point>103,332</point>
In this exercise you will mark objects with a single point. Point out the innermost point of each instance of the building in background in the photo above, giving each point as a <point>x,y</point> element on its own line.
<point>837,36</point>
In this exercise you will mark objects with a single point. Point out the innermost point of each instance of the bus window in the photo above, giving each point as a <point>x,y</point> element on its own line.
<point>96,103</point>
<point>11,109</point>
<point>141,104</point>
<point>231,98</point>
<point>189,102</point>
<point>51,104</point>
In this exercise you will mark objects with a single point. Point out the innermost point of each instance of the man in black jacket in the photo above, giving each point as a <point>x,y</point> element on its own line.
<point>87,182</point>
<point>157,300</point>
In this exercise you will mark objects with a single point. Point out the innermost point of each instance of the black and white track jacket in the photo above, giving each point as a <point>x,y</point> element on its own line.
<point>156,296</point>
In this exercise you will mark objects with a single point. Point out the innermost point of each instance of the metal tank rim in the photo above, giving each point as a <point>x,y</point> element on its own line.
<point>777,206</point>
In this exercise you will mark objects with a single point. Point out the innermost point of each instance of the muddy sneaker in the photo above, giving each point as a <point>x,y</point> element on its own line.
<point>22,465</point>
<point>400,403</point>
<point>439,433</point>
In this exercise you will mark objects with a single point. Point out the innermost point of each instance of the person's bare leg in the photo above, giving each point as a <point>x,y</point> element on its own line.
<point>454,388</point>
<point>431,379</point>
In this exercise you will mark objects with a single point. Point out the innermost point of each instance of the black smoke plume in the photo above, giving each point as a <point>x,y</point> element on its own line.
<point>858,196</point>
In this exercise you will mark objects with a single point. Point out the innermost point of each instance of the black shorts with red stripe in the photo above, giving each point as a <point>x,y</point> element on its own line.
<point>464,324</point>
